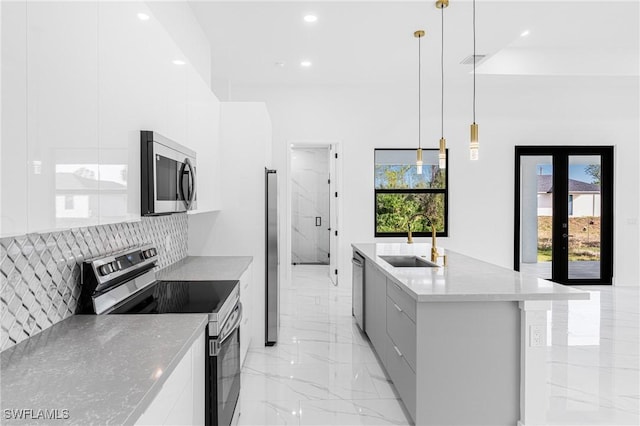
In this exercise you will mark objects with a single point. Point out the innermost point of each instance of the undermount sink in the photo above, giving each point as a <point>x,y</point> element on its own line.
<point>408,262</point>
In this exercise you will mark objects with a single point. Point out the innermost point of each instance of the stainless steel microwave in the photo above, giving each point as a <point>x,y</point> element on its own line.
<point>168,178</point>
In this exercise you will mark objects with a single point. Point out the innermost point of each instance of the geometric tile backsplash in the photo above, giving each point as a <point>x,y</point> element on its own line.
<point>40,273</point>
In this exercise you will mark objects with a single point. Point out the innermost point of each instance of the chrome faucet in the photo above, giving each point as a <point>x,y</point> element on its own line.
<point>434,249</point>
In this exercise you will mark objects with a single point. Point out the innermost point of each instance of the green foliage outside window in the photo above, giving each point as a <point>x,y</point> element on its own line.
<point>402,193</point>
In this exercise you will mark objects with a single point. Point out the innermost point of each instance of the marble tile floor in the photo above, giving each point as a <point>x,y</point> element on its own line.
<point>323,371</point>
<point>593,358</point>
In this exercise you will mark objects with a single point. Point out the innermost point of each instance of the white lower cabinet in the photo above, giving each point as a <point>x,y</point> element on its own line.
<point>401,374</point>
<point>181,399</point>
<point>247,307</point>
<point>390,324</point>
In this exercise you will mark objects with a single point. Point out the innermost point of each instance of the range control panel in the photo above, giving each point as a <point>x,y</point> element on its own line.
<point>106,274</point>
<point>118,264</point>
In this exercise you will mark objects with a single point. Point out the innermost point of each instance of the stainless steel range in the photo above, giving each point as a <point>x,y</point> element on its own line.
<point>125,283</point>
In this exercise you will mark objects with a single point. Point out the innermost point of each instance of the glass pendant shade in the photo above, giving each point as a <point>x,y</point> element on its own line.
<point>474,145</point>
<point>419,161</point>
<point>442,153</point>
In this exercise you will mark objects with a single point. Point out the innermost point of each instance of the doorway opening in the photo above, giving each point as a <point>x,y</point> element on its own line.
<point>310,209</point>
<point>564,213</point>
<point>313,205</point>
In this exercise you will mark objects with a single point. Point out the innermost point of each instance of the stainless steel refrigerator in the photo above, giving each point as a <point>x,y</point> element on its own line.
<point>272,273</point>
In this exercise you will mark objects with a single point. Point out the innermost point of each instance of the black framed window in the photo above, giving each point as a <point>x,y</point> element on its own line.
<point>401,193</point>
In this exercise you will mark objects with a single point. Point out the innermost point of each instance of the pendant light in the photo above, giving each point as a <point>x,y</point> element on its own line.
<point>419,34</point>
<point>474,145</point>
<point>442,155</point>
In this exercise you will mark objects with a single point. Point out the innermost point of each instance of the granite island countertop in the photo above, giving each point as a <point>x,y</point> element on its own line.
<point>103,369</point>
<point>463,279</point>
<point>205,268</point>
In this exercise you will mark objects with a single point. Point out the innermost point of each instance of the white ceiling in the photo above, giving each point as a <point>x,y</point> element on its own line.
<point>371,42</point>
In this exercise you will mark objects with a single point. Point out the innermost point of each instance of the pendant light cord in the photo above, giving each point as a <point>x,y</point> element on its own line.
<point>442,76</point>
<point>419,94</point>
<point>474,61</point>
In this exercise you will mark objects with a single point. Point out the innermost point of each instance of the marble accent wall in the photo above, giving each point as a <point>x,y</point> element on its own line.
<point>40,272</point>
<point>310,200</point>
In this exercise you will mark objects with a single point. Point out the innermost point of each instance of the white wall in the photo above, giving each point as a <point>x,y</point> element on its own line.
<point>586,205</point>
<point>512,110</point>
<point>238,229</point>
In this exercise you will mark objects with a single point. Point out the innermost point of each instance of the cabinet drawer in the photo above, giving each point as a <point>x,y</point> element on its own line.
<point>402,299</point>
<point>402,332</point>
<point>402,376</point>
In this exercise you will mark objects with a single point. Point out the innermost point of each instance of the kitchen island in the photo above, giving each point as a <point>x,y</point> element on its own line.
<point>462,343</point>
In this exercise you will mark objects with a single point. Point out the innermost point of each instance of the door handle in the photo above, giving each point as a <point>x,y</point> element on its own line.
<point>565,235</point>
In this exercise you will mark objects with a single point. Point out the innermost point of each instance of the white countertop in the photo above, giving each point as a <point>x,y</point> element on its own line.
<point>464,279</point>
<point>103,369</point>
<point>206,268</point>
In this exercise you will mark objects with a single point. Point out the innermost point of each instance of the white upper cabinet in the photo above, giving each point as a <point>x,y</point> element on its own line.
<point>80,80</point>
<point>203,122</point>
<point>62,115</point>
<point>13,152</point>
<point>140,88</point>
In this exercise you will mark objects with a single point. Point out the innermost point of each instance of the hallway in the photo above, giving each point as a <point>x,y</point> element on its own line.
<point>323,372</point>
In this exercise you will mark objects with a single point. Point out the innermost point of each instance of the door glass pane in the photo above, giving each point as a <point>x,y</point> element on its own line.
<point>584,216</point>
<point>536,212</point>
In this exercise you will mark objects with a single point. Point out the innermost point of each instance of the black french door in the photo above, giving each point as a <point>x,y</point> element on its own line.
<point>564,213</point>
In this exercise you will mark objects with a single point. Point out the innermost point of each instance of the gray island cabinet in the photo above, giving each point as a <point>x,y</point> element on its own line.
<point>458,341</point>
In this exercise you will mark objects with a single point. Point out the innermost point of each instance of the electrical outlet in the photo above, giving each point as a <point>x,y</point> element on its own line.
<point>536,336</point>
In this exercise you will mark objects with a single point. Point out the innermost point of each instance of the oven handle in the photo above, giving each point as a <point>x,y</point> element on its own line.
<point>216,344</point>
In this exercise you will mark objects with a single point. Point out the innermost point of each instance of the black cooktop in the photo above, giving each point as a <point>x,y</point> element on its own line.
<point>168,297</point>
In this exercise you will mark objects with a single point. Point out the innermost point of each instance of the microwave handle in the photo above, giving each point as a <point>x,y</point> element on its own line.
<point>188,202</point>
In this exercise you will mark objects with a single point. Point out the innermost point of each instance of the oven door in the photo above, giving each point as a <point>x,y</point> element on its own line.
<point>223,372</point>
<point>175,180</point>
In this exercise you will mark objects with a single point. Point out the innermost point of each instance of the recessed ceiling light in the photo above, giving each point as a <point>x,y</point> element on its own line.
<point>524,33</point>
<point>305,64</point>
<point>179,62</point>
<point>143,16</point>
<point>310,18</point>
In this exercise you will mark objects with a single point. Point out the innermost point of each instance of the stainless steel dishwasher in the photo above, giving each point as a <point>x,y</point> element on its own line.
<point>357,295</point>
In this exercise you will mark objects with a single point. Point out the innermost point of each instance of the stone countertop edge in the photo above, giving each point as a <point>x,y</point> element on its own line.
<point>554,291</point>
<point>85,387</point>
<point>206,268</point>
<point>155,389</point>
